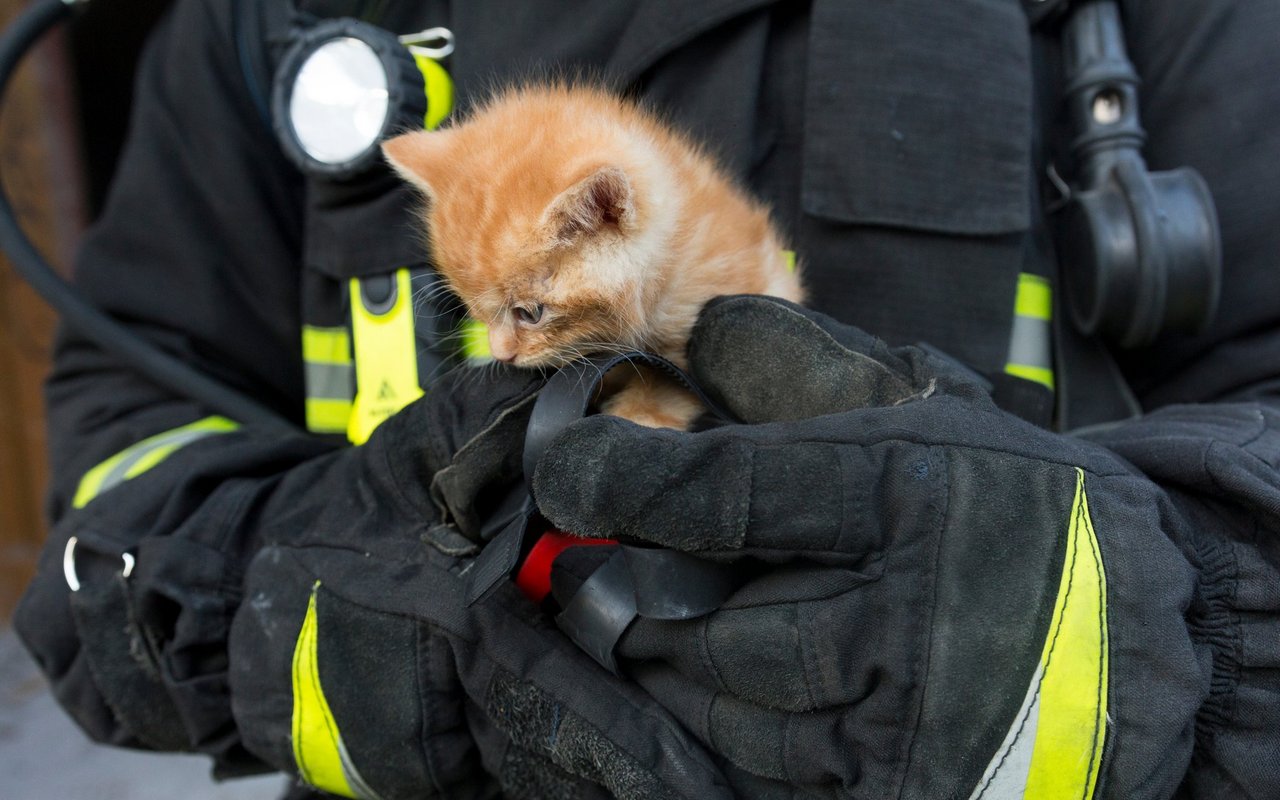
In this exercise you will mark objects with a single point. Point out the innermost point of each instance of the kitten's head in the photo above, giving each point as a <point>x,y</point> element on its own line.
<point>546,218</point>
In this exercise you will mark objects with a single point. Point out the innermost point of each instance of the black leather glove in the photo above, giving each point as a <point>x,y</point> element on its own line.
<point>357,664</point>
<point>949,602</point>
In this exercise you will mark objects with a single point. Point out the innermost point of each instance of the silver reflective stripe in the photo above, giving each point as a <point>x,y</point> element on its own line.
<point>330,378</point>
<point>1031,337</point>
<point>1030,343</point>
<point>330,381</point>
<point>359,786</point>
<point>133,461</point>
<point>1006,776</point>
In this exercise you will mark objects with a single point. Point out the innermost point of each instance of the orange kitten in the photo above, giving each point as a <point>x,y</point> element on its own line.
<point>570,221</point>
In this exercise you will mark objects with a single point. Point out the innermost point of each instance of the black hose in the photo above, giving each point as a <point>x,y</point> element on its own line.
<point>165,369</point>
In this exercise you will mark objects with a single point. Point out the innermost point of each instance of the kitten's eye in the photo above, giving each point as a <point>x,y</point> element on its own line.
<point>529,315</point>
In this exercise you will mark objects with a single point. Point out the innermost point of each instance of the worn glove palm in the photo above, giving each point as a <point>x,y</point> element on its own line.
<point>357,663</point>
<point>949,602</point>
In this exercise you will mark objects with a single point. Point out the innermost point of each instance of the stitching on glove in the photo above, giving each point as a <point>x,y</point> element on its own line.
<point>919,679</point>
<point>1102,625</point>
<point>1066,600</point>
<point>787,750</point>
<point>807,655</point>
<point>421,691</point>
<point>744,514</point>
<point>1053,643</point>
<point>1022,726</point>
<point>708,662</point>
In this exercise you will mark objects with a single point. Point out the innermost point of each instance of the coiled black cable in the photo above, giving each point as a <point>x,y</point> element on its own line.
<point>165,369</point>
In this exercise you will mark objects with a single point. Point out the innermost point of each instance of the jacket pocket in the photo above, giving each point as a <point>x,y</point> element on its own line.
<point>918,115</point>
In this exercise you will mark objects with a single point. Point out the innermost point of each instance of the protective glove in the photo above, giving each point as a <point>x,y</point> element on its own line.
<point>949,602</point>
<point>357,664</point>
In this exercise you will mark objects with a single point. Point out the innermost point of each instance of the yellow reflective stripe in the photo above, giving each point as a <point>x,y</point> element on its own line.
<point>328,415</point>
<point>1031,338</point>
<point>1073,691</point>
<point>150,459</point>
<point>386,358</point>
<point>1038,374</point>
<point>326,345</point>
<point>439,90</point>
<point>138,458</point>
<point>1053,749</point>
<point>1034,298</point>
<point>475,341</point>
<point>789,258</point>
<point>327,368</point>
<point>318,749</point>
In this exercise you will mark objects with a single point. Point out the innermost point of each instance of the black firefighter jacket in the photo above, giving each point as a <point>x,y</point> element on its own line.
<point>903,149</point>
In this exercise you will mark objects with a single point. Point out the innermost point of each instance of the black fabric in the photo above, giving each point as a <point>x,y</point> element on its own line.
<point>941,520</point>
<point>200,248</point>
<point>394,630</point>
<point>347,224</point>
<point>388,746</point>
<point>125,665</point>
<point>894,98</point>
<point>477,439</point>
<point>1192,120</point>
<point>605,731</point>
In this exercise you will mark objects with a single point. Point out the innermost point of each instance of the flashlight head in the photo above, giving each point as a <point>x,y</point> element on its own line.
<point>342,88</point>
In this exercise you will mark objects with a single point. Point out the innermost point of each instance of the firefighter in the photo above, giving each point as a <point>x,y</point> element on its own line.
<point>990,555</point>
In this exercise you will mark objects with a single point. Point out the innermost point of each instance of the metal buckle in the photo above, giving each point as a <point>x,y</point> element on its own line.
<point>69,565</point>
<point>416,42</point>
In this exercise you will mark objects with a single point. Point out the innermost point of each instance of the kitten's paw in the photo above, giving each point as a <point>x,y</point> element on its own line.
<point>654,405</point>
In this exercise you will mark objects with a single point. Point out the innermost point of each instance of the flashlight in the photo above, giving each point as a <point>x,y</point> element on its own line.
<point>346,85</point>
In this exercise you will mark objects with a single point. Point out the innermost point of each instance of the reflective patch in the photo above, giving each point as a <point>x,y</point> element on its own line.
<point>1035,298</point>
<point>386,355</point>
<point>1054,747</point>
<point>439,89</point>
<point>789,260</point>
<point>137,459</point>
<point>318,750</point>
<point>330,378</point>
<point>1031,340</point>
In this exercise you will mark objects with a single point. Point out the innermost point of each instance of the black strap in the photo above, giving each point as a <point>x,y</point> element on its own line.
<point>601,611</point>
<point>502,556</point>
<point>637,580</point>
<point>569,393</point>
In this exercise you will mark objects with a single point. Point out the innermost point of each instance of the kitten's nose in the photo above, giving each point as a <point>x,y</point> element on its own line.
<point>502,346</point>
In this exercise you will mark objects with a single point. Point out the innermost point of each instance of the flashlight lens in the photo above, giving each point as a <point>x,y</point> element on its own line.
<point>339,104</point>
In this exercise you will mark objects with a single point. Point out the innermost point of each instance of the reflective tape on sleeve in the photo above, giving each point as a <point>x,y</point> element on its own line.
<point>1031,340</point>
<point>137,459</point>
<point>1053,750</point>
<point>318,750</point>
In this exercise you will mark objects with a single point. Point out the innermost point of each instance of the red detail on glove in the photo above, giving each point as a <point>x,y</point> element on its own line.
<point>534,577</point>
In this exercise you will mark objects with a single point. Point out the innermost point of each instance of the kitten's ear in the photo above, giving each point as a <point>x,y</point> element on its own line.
<point>419,156</point>
<point>603,200</point>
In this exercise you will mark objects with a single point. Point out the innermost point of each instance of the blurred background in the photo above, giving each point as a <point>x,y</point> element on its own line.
<point>61,126</point>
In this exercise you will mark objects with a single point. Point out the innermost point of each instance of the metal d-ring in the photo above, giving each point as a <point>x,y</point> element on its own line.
<point>416,42</point>
<point>69,564</point>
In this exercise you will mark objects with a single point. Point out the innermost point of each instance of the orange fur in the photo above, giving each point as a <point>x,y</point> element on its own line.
<point>571,221</point>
